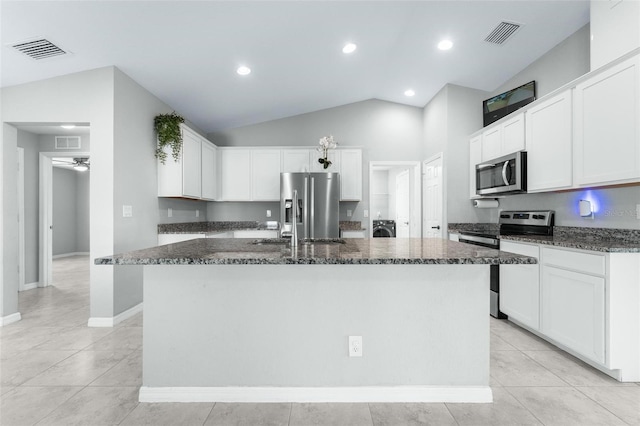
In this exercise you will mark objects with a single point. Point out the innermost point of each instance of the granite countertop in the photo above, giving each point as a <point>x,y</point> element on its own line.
<point>224,226</point>
<point>225,251</point>
<point>211,227</point>
<point>606,240</point>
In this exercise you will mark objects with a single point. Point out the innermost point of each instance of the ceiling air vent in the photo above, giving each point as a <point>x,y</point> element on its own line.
<point>502,32</point>
<point>39,49</point>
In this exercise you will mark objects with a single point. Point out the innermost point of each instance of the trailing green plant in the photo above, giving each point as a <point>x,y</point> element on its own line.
<point>167,126</point>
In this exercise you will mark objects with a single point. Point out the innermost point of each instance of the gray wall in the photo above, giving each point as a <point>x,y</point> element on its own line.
<point>70,211</point>
<point>29,142</point>
<point>617,206</point>
<point>453,114</point>
<point>182,210</point>
<point>385,131</point>
<point>64,211</point>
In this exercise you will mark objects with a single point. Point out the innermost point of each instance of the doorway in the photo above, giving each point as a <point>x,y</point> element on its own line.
<point>383,196</point>
<point>433,197</point>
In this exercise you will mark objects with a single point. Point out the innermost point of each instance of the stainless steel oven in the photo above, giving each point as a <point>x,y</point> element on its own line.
<point>539,222</point>
<point>504,175</point>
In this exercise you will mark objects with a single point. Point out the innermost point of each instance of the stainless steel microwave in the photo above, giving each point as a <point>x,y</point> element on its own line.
<point>504,175</point>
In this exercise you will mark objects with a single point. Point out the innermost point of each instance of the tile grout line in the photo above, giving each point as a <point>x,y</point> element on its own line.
<point>603,407</point>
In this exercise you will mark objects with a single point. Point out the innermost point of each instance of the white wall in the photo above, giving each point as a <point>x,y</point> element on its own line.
<point>385,131</point>
<point>83,197</point>
<point>8,229</point>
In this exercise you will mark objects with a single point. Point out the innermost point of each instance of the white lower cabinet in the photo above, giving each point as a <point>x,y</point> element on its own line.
<point>587,302</point>
<point>520,286</point>
<point>353,233</point>
<point>573,310</point>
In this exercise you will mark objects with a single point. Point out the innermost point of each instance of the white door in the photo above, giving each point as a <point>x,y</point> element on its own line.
<point>433,195</point>
<point>403,205</point>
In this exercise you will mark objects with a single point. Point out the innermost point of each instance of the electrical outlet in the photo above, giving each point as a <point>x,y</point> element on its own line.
<point>365,213</point>
<point>127,211</point>
<point>268,213</point>
<point>349,213</point>
<point>169,212</point>
<point>197,213</point>
<point>355,346</point>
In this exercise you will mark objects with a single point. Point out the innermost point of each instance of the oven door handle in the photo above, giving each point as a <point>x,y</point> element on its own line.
<point>504,173</point>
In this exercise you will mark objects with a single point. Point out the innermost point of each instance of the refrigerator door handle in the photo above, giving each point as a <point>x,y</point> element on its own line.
<point>305,208</point>
<point>312,202</point>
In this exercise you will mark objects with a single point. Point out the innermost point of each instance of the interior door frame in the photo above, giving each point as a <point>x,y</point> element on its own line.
<point>415,177</point>
<point>46,213</point>
<point>21,223</point>
<point>405,173</point>
<point>443,194</point>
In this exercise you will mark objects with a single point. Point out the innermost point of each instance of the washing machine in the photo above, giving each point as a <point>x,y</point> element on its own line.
<point>384,229</point>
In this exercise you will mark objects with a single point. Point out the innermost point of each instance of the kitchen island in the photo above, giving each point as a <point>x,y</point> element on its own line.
<point>245,320</point>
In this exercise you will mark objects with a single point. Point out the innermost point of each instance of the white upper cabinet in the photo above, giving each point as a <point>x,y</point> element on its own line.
<point>295,160</point>
<point>549,144</point>
<point>350,174</point>
<point>614,30</point>
<point>183,178</point>
<point>513,134</point>
<point>607,127</point>
<point>475,157</point>
<point>504,138</point>
<point>492,143</point>
<point>209,167</point>
<point>235,174</point>
<point>265,174</point>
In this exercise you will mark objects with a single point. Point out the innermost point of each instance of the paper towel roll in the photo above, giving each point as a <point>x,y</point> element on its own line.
<point>485,204</point>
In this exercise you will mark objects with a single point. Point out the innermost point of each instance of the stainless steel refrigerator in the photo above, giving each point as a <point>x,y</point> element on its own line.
<point>318,204</point>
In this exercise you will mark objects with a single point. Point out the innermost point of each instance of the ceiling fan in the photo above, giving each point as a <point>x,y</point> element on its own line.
<point>81,164</point>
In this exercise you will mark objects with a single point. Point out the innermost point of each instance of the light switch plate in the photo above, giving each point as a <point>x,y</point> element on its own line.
<point>197,213</point>
<point>349,213</point>
<point>268,213</point>
<point>169,212</point>
<point>127,211</point>
<point>365,213</point>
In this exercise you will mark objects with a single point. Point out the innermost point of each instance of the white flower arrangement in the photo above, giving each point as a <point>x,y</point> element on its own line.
<point>326,143</point>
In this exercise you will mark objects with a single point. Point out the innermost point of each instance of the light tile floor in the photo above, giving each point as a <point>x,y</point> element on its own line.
<point>54,370</point>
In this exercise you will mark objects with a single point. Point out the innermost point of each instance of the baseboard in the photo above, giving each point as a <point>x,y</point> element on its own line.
<point>10,319</point>
<point>78,253</point>
<point>110,322</point>
<point>466,394</point>
<point>29,286</point>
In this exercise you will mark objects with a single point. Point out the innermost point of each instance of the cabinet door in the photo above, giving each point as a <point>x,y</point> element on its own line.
<point>549,150</point>
<point>209,165</point>
<point>351,174</point>
<point>513,135</point>
<point>191,165</point>
<point>475,157</point>
<point>573,311</point>
<point>265,174</point>
<point>295,160</point>
<point>235,174</point>
<point>492,143</point>
<point>520,286</point>
<point>607,126</point>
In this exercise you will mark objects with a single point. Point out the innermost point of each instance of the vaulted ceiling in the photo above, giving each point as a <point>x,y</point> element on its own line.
<point>187,52</point>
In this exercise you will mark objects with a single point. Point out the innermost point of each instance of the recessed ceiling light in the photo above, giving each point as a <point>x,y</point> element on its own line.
<point>243,70</point>
<point>445,45</point>
<point>409,92</point>
<point>68,126</point>
<point>349,48</point>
